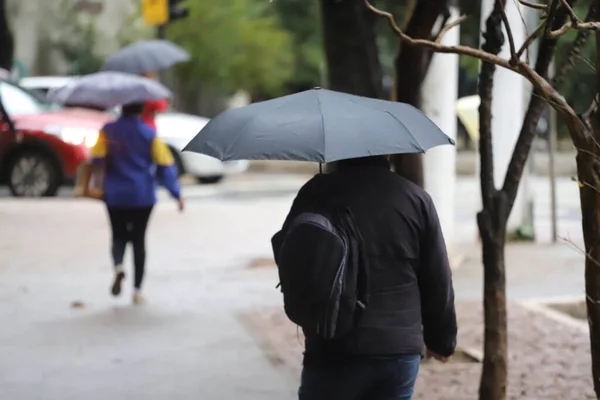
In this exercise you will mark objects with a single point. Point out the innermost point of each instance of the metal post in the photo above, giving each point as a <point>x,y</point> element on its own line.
<point>552,139</point>
<point>161,32</point>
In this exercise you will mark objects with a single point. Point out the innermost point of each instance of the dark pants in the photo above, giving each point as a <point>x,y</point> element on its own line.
<point>129,225</point>
<point>361,379</point>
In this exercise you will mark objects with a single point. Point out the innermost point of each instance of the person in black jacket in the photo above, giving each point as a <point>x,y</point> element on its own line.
<point>411,309</point>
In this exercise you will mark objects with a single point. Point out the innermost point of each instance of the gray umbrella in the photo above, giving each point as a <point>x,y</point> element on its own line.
<point>109,89</point>
<point>317,125</point>
<point>146,56</point>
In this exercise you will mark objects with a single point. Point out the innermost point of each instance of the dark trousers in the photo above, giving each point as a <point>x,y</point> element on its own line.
<point>129,225</point>
<point>360,379</point>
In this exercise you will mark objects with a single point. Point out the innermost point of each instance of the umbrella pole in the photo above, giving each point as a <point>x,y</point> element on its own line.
<point>320,168</point>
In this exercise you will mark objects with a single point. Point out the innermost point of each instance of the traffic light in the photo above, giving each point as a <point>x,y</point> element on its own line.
<point>176,11</point>
<point>155,12</point>
<point>161,12</point>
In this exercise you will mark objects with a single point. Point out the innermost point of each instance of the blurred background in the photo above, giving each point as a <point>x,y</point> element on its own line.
<point>213,312</point>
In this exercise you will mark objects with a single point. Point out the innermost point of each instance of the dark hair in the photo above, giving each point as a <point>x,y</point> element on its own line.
<point>364,161</point>
<point>131,110</point>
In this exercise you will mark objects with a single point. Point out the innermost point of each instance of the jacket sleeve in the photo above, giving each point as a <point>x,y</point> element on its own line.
<point>435,284</point>
<point>166,170</point>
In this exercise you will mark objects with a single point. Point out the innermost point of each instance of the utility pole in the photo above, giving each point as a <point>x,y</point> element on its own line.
<point>439,94</point>
<point>552,138</point>
<point>161,32</point>
<point>159,14</point>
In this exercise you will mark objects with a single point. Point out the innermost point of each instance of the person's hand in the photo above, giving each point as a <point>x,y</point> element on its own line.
<point>431,354</point>
<point>180,205</point>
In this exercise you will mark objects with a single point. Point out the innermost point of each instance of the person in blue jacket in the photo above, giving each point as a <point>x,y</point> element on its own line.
<point>134,160</point>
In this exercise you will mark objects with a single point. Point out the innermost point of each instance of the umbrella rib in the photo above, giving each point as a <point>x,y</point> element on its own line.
<point>322,127</point>
<point>407,130</point>
<point>393,116</point>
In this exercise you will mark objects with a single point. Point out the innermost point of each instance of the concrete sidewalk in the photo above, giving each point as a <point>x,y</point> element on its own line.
<point>547,359</point>
<point>187,342</point>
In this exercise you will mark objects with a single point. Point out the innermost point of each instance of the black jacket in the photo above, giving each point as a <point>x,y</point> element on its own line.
<point>412,299</point>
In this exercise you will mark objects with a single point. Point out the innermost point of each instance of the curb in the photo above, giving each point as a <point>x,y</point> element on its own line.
<point>542,306</point>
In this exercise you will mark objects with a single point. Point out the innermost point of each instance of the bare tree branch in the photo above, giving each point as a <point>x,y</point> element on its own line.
<point>445,29</point>
<point>580,26</point>
<point>550,17</point>
<point>536,6</point>
<point>536,33</point>
<point>511,39</point>
<point>462,50</point>
<point>570,10</point>
<point>576,127</point>
<point>575,50</point>
<point>493,42</point>
<point>574,23</point>
<point>581,251</point>
<point>534,112</point>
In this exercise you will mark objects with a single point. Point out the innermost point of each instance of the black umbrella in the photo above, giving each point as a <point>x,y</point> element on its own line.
<point>146,56</point>
<point>317,125</point>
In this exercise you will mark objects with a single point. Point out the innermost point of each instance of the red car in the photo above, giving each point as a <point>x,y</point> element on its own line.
<point>41,144</point>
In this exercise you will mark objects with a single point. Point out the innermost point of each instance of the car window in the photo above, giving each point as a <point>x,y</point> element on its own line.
<point>17,101</point>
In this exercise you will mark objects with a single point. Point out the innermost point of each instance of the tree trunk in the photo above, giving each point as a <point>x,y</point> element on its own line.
<point>351,48</point>
<point>492,227</point>
<point>588,169</point>
<point>6,39</point>
<point>492,222</point>
<point>412,63</point>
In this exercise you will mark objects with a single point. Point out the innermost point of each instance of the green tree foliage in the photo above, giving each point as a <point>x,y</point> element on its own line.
<point>232,46</point>
<point>302,19</point>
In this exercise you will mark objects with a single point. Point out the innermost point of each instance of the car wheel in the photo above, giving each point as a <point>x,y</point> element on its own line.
<point>33,174</point>
<point>209,180</point>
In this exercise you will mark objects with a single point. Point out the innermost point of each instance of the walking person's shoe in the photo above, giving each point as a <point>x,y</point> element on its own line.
<point>119,276</point>
<point>138,298</point>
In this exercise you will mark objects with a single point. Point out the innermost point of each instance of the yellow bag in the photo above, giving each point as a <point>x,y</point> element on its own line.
<point>89,181</point>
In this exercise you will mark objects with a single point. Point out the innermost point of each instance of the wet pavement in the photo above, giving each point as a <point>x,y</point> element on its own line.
<point>189,341</point>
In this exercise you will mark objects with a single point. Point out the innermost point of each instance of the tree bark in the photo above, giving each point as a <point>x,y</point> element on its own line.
<point>492,227</point>
<point>351,48</point>
<point>588,170</point>
<point>6,39</point>
<point>412,63</point>
<point>588,167</point>
<point>492,222</point>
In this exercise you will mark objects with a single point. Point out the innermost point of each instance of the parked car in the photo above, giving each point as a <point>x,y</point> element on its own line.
<point>41,145</point>
<point>176,129</point>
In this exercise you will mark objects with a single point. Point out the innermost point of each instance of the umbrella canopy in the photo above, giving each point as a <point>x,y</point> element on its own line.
<point>146,56</point>
<point>317,125</point>
<point>109,89</point>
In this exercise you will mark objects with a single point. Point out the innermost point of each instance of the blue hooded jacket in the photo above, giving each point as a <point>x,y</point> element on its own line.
<point>135,160</point>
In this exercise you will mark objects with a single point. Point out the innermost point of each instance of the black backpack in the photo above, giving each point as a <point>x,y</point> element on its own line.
<point>323,271</point>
